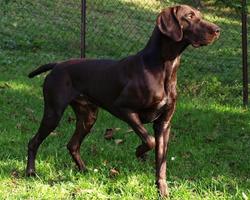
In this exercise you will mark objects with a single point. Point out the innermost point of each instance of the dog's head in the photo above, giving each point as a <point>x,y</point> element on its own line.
<point>184,23</point>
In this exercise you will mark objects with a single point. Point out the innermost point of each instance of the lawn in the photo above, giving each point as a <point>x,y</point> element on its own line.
<point>210,138</point>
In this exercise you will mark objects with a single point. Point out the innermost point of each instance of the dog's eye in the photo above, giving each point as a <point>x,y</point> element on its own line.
<point>190,16</point>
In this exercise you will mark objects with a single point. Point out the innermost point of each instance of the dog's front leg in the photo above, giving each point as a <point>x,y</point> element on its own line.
<point>162,132</point>
<point>148,141</point>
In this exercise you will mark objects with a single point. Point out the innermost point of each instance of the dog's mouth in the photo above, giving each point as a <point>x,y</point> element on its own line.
<point>197,45</point>
<point>204,43</point>
<point>208,39</point>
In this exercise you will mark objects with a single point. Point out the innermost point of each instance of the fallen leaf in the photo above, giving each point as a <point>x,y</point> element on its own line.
<point>119,141</point>
<point>129,130</point>
<point>29,110</point>
<point>113,172</point>
<point>105,162</point>
<point>70,119</point>
<point>109,134</point>
<point>54,133</point>
<point>15,174</point>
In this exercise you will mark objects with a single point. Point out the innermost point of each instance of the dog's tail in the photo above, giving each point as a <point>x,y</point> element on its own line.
<point>42,69</point>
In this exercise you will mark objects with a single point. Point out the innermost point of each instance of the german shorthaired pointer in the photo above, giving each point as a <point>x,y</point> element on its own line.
<point>137,89</point>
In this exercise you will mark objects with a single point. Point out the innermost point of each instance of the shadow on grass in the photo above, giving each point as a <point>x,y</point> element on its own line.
<point>208,141</point>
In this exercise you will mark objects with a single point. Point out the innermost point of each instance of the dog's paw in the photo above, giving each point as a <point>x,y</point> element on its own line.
<point>163,188</point>
<point>141,152</point>
<point>82,169</point>
<point>30,173</point>
<point>145,147</point>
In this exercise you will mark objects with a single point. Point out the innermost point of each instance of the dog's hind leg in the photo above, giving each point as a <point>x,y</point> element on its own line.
<point>49,122</point>
<point>86,114</point>
<point>57,95</point>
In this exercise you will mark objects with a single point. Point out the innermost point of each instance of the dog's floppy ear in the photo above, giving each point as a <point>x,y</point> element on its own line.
<point>169,25</point>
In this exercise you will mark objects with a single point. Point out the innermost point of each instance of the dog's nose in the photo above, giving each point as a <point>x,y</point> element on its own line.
<point>216,30</point>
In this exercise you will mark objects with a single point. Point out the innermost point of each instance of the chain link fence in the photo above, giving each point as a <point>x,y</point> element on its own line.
<point>122,27</point>
<point>40,27</point>
<point>115,29</point>
<point>119,28</point>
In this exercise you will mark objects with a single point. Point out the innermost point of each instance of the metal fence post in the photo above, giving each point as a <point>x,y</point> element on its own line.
<point>83,28</point>
<point>244,53</point>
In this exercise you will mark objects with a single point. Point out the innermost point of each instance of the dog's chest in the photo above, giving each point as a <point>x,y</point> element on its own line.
<point>162,98</point>
<point>152,112</point>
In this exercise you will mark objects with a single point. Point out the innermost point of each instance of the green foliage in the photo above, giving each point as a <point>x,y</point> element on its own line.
<point>236,4</point>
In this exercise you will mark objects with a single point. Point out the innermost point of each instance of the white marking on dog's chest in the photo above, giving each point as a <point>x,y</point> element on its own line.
<point>176,62</point>
<point>162,102</point>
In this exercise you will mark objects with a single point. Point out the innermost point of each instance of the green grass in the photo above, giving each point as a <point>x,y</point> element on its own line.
<point>210,143</point>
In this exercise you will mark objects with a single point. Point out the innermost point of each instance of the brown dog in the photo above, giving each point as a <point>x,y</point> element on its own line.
<point>138,89</point>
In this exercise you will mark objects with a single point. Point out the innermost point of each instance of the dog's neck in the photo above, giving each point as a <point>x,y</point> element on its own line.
<point>161,49</point>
